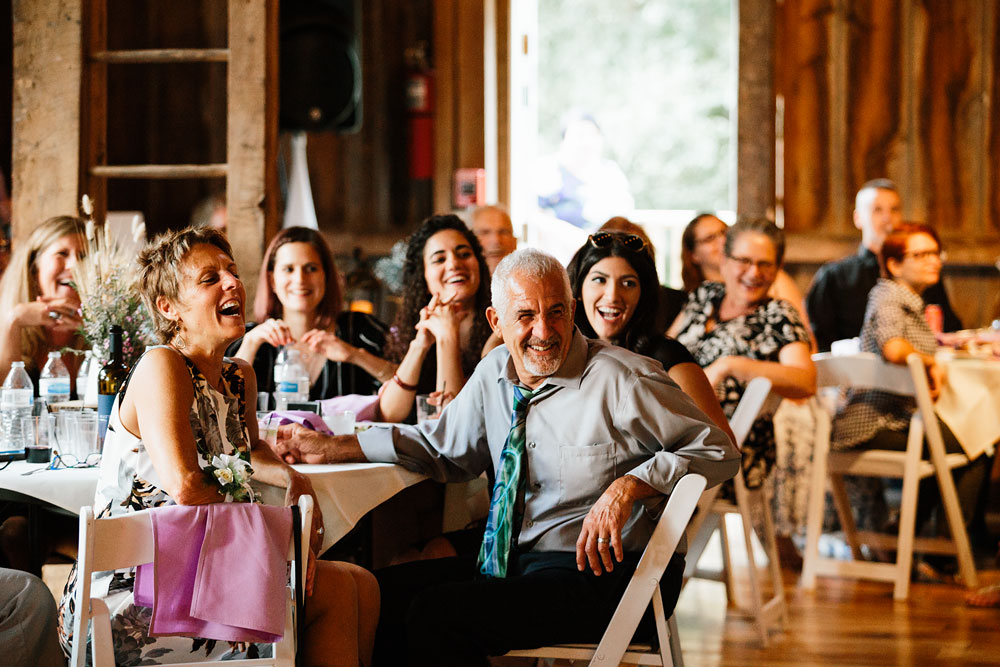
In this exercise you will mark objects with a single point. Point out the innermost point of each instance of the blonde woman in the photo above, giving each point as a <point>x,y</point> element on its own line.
<point>39,307</point>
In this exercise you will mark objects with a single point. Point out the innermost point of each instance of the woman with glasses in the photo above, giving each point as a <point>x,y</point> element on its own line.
<point>894,328</point>
<point>701,260</point>
<point>614,282</point>
<point>737,332</point>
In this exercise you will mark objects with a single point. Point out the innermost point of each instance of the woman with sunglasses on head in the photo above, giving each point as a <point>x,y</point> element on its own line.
<point>614,282</point>
<point>701,260</point>
<point>299,303</point>
<point>737,332</point>
<point>440,332</point>
<point>671,301</point>
<point>894,328</point>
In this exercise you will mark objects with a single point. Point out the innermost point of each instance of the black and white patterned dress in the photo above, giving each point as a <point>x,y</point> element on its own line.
<point>893,311</point>
<point>759,335</point>
<point>129,483</point>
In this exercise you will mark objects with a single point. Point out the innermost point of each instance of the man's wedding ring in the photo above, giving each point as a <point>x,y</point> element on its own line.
<point>601,540</point>
<point>55,315</point>
<point>320,531</point>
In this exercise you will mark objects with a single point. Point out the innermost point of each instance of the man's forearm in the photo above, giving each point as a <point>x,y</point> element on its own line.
<point>344,449</point>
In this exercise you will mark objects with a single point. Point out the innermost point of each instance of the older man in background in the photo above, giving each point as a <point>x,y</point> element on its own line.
<point>580,439</point>
<point>493,228</point>
<point>839,293</point>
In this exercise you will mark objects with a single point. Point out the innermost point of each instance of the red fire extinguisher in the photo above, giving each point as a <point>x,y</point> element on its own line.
<point>420,112</point>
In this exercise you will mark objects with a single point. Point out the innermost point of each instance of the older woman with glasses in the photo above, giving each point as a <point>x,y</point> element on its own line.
<point>702,252</point>
<point>736,332</point>
<point>894,328</point>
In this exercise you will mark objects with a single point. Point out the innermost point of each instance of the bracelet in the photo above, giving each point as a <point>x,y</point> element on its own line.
<point>405,387</point>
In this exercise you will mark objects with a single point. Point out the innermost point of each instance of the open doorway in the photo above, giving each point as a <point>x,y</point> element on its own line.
<point>621,108</point>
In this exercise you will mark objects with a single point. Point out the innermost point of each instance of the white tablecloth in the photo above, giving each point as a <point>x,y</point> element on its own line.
<point>970,403</point>
<point>346,491</point>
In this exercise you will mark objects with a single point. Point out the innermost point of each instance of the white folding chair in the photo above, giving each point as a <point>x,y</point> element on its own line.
<point>868,371</point>
<point>124,541</point>
<point>643,588</point>
<point>711,515</point>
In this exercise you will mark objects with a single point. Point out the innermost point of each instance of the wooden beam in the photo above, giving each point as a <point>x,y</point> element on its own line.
<point>160,171</point>
<point>251,186</point>
<point>46,105</point>
<point>755,109</point>
<point>146,56</point>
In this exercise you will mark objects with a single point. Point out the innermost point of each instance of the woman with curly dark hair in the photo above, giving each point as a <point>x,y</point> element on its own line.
<point>440,331</point>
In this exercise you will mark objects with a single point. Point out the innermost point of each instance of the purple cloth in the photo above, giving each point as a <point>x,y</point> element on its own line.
<point>218,573</point>
<point>365,408</point>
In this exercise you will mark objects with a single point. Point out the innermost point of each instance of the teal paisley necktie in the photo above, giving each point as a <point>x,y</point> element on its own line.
<point>500,520</point>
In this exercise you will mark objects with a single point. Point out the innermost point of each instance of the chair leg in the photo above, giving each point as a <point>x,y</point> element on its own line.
<point>956,525</point>
<point>843,505</point>
<point>907,527</point>
<point>756,601</point>
<point>814,516</point>
<point>727,566</point>
<point>774,562</point>
<point>676,656</point>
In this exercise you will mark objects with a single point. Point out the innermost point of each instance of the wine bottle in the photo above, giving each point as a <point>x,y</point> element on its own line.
<point>109,381</point>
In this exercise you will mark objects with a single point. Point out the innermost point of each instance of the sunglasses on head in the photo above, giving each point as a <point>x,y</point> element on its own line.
<point>607,239</point>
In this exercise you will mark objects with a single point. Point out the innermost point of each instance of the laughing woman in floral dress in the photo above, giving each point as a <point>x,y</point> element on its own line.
<point>184,404</point>
<point>736,332</point>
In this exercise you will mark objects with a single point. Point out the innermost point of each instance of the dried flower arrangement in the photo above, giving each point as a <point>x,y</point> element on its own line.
<point>105,277</point>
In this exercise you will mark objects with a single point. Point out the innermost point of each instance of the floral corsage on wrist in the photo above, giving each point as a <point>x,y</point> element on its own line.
<point>233,476</point>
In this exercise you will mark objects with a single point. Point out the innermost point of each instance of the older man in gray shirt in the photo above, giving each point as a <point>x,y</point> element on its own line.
<point>572,433</point>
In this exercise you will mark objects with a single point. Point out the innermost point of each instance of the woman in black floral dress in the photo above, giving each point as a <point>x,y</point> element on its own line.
<point>736,332</point>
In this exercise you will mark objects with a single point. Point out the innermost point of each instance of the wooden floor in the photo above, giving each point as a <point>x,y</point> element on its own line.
<point>843,622</point>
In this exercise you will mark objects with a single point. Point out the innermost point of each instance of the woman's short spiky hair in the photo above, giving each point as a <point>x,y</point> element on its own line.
<point>160,265</point>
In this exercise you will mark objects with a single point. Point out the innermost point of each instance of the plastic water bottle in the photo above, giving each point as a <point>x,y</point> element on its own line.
<point>53,383</point>
<point>17,397</point>
<point>291,380</point>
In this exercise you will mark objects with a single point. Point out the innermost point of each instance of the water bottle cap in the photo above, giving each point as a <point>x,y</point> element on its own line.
<point>54,354</point>
<point>17,364</point>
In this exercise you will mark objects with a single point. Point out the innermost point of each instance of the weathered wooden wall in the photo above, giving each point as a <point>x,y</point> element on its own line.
<point>904,90</point>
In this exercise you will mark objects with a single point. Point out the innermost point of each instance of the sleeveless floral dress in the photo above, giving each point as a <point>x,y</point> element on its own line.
<point>129,483</point>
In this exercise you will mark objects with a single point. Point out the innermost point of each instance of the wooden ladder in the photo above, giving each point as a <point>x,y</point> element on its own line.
<point>47,38</point>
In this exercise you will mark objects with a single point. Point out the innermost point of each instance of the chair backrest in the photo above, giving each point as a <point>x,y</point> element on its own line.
<point>755,396</point>
<point>863,370</point>
<point>124,541</point>
<point>645,582</point>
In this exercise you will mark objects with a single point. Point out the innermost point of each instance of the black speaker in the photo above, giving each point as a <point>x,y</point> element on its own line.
<point>320,63</point>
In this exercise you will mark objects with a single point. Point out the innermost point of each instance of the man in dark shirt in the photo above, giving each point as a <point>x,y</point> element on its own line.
<point>839,293</point>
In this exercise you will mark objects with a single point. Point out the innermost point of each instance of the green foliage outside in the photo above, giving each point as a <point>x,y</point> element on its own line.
<point>658,75</point>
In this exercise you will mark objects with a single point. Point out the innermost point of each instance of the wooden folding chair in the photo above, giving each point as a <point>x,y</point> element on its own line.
<point>711,515</point>
<point>125,541</point>
<point>868,371</point>
<point>642,590</point>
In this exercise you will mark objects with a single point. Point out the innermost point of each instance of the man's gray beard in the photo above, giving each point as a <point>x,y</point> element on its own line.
<point>541,369</point>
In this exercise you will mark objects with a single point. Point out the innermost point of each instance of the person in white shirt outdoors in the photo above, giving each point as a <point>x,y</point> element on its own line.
<point>581,440</point>
<point>493,228</point>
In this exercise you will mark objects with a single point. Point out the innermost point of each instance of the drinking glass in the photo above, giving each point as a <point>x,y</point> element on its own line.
<point>37,433</point>
<point>340,422</point>
<point>425,409</point>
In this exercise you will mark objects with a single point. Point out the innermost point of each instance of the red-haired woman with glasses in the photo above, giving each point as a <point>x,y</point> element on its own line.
<point>736,332</point>
<point>894,328</point>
